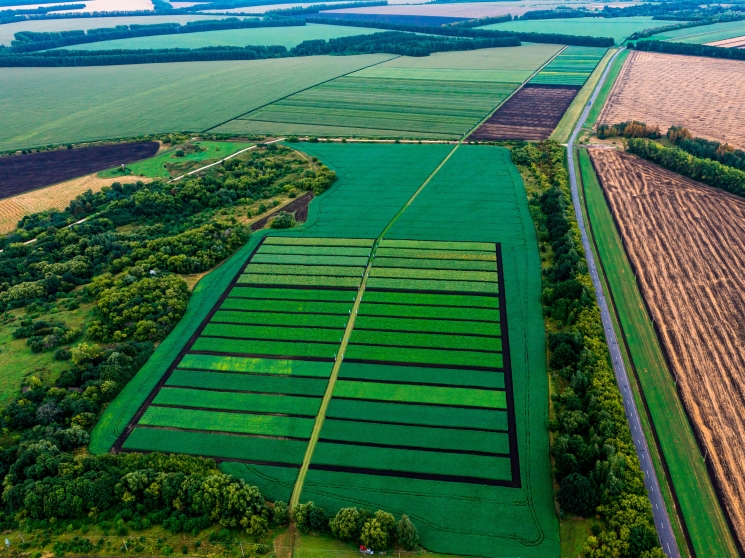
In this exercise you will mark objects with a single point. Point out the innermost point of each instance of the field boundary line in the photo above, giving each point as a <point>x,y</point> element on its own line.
<point>659,510</point>
<point>298,91</point>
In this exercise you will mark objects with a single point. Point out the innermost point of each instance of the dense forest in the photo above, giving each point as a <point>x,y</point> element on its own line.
<point>689,49</point>
<point>595,462</point>
<point>708,171</point>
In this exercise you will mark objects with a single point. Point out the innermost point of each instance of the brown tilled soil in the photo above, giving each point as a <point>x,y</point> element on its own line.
<point>706,95</point>
<point>735,42</point>
<point>530,114</point>
<point>686,242</point>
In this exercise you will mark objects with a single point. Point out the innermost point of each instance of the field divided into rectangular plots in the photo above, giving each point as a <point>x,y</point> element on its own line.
<point>441,99</point>
<point>424,391</point>
<point>248,387</point>
<point>572,67</point>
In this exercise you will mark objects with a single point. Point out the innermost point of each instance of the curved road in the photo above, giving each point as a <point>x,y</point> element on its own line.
<point>661,519</point>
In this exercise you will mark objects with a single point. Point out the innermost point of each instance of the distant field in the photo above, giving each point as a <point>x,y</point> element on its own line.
<point>8,30</point>
<point>618,28</point>
<point>285,36</point>
<point>703,33</point>
<point>56,105</point>
<point>706,95</point>
<point>439,96</point>
<point>572,67</point>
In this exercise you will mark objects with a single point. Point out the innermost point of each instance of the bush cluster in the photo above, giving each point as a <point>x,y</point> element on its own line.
<point>631,129</point>
<point>706,149</point>
<point>596,465</point>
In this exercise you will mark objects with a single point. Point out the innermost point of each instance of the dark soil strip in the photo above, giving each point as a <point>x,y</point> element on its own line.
<point>22,173</point>
<point>244,391</point>
<point>423,348</point>
<point>413,448</point>
<point>448,405</point>
<point>423,332</point>
<point>298,204</point>
<point>216,410</point>
<point>531,114</point>
<point>222,432</point>
<point>277,274</point>
<point>118,445</point>
<point>426,364</point>
<point>466,428</point>
<point>509,389</point>
<point>256,355</point>
<point>410,475</point>
<point>405,383</point>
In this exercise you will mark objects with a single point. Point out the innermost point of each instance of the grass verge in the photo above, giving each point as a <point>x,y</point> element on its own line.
<point>597,107</point>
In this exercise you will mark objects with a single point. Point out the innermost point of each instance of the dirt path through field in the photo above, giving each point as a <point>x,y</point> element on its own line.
<point>686,243</point>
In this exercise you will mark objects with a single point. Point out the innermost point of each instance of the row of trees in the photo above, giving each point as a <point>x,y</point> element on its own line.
<point>631,129</point>
<point>30,41</point>
<point>461,31</point>
<point>315,8</point>
<point>595,461</point>
<point>706,149</point>
<point>689,49</point>
<point>675,159</point>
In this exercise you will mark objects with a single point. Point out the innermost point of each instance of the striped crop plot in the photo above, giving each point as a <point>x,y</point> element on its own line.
<point>440,98</point>
<point>425,389</point>
<point>535,110</point>
<point>248,387</point>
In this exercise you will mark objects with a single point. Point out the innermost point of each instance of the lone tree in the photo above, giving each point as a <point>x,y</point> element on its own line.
<point>407,533</point>
<point>577,496</point>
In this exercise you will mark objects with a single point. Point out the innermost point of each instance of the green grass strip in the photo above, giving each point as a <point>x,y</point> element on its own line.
<point>288,385</point>
<point>438,245</point>
<point>424,356</point>
<point>309,260</point>
<point>418,414</point>
<point>315,241</point>
<point>279,348</point>
<point>409,393</point>
<point>266,425</point>
<point>452,313</point>
<point>265,318</point>
<point>424,274</point>
<point>298,334</point>
<point>433,340</point>
<point>254,279</point>
<point>257,365</point>
<point>431,326</point>
<point>414,461</point>
<point>296,306</point>
<point>435,254</point>
<point>436,438</point>
<point>293,294</point>
<point>436,299</point>
<point>291,269</point>
<point>432,285</point>
<point>465,265</point>
<point>422,375</point>
<point>260,403</point>
<point>314,250</point>
<point>224,446</point>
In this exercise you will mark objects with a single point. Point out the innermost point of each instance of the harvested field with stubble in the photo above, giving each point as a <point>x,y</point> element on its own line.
<point>686,243</point>
<point>531,114</point>
<point>706,95</point>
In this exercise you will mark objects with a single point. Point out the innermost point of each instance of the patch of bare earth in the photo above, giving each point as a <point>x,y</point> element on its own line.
<point>706,95</point>
<point>51,197</point>
<point>686,242</point>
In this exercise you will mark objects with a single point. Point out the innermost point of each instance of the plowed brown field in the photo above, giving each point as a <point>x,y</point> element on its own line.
<point>686,243</point>
<point>706,95</point>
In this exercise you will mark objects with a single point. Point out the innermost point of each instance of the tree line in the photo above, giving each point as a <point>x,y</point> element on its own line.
<point>469,23</point>
<point>10,16</point>
<point>631,129</point>
<point>708,171</point>
<point>460,31</point>
<point>689,49</point>
<point>595,462</point>
<point>315,8</point>
<point>408,44</point>
<point>706,149</point>
<point>29,41</point>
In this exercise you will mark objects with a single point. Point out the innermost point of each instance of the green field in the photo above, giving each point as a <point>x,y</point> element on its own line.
<point>698,503</point>
<point>703,33</point>
<point>284,36</point>
<point>459,432</point>
<point>619,28</point>
<point>439,96</point>
<point>573,66</point>
<point>57,105</point>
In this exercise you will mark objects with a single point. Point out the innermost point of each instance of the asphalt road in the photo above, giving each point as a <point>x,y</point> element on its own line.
<point>661,518</point>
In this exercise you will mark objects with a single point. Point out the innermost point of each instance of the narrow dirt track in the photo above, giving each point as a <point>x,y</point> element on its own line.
<point>686,242</point>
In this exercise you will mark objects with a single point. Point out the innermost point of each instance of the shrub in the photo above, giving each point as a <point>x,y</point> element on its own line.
<point>283,221</point>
